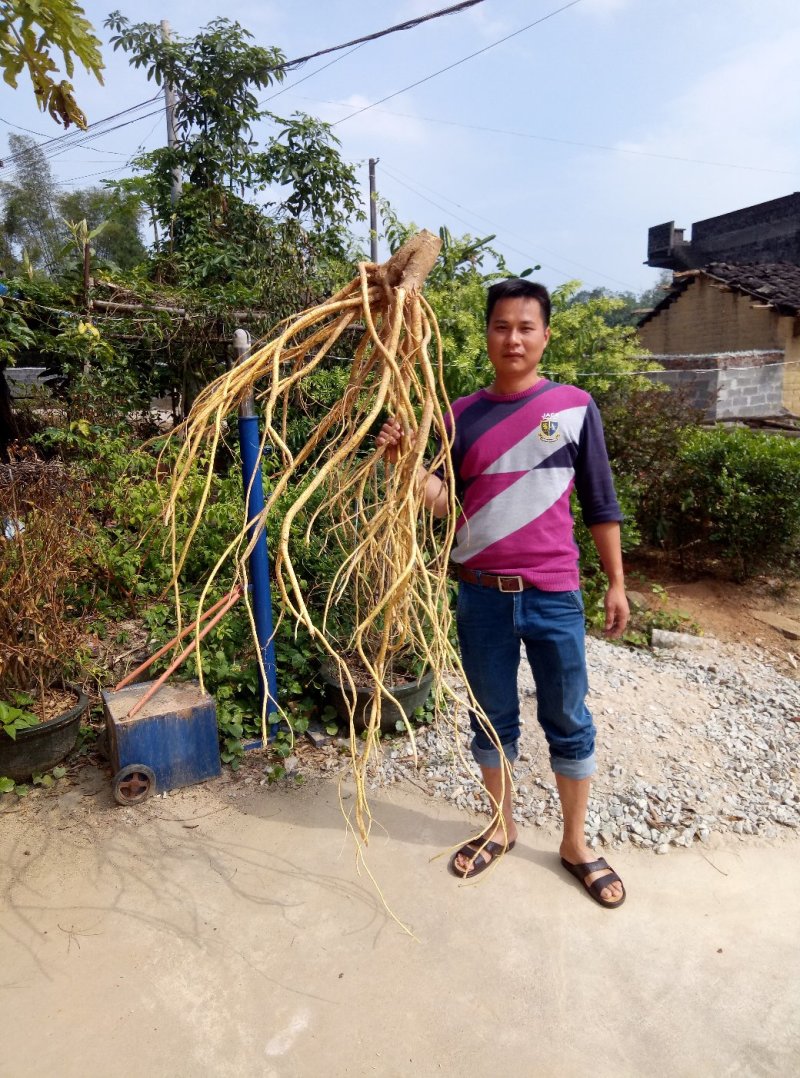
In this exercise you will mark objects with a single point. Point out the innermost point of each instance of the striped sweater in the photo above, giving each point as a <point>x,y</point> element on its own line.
<point>517,459</point>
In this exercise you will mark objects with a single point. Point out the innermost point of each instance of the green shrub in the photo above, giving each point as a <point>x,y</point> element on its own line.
<point>732,499</point>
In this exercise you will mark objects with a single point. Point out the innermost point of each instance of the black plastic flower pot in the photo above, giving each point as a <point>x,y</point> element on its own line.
<point>409,696</point>
<point>42,746</point>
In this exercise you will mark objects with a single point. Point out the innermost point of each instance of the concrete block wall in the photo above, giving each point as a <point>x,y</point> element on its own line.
<point>732,385</point>
<point>750,386</point>
<point>696,377</point>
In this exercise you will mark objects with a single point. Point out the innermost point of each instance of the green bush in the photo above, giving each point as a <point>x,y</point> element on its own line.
<point>732,499</point>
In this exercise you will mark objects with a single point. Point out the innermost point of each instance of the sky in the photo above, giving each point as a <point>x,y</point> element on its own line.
<point>567,140</point>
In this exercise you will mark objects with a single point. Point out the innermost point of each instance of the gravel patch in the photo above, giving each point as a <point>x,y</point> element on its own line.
<point>691,743</point>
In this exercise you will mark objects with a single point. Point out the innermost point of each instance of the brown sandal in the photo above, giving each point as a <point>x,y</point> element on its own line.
<point>474,851</point>
<point>581,871</point>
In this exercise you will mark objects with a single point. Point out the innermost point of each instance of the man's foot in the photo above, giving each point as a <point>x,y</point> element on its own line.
<point>477,855</point>
<point>582,863</point>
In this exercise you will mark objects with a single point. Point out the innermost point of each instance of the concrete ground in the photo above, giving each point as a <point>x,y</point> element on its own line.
<point>219,937</point>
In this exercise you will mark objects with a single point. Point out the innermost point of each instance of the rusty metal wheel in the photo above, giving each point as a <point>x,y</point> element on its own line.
<point>134,784</point>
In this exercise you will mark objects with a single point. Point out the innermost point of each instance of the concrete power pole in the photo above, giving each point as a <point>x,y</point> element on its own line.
<point>169,105</point>
<point>373,211</point>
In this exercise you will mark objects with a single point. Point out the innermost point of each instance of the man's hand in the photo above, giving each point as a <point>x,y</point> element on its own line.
<point>391,436</point>
<point>617,610</point>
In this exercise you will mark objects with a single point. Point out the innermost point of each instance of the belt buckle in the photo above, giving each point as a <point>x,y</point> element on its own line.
<point>510,583</point>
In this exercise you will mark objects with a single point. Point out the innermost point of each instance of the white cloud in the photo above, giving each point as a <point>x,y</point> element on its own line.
<point>744,112</point>
<point>373,124</point>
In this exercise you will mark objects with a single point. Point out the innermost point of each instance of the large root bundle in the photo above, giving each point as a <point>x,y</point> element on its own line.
<point>391,568</point>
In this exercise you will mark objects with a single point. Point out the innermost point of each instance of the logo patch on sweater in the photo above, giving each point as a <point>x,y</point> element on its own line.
<point>548,428</point>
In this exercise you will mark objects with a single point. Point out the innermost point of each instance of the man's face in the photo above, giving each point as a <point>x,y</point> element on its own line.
<point>516,338</point>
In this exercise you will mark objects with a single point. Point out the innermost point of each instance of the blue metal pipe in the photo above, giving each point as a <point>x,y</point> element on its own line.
<point>261,597</point>
<point>259,559</point>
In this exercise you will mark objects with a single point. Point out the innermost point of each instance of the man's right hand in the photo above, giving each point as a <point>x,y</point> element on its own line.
<point>391,436</point>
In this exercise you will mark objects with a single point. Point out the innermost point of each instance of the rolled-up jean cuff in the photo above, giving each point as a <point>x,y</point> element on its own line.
<point>491,757</point>
<point>574,769</point>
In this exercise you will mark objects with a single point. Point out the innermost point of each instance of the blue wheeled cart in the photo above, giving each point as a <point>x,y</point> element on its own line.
<point>171,741</point>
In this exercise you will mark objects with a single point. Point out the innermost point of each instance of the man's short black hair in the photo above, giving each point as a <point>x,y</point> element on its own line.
<point>518,288</point>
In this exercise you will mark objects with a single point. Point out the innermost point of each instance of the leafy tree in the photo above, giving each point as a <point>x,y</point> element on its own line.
<point>30,32</point>
<point>628,306</point>
<point>214,235</point>
<point>35,215</point>
<point>586,349</point>
<point>30,219</point>
<point>114,217</point>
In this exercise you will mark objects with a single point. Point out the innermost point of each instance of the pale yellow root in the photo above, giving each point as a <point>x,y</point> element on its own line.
<point>393,559</point>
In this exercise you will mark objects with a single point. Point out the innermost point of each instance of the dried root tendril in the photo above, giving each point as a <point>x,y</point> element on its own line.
<point>392,572</point>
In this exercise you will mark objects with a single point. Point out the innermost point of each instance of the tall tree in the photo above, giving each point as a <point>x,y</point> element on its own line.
<point>31,221</point>
<point>30,33</point>
<point>216,235</point>
<point>35,213</point>
<point>119,241</point>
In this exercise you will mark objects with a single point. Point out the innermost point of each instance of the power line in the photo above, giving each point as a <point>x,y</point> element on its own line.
<point>408,25</point>
<point>70,138</point>
<point>559,141</point>
<point>310,75</point>
<point>505,243</point>
<point>89,176</point>
<point>463,60</point>
<point>54,146</point>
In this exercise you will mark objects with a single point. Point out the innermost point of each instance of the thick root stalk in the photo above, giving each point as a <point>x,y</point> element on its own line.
<point>391,578</point>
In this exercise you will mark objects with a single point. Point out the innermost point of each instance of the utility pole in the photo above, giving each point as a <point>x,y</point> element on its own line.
<point>373,211</point>
<point>172,139</point>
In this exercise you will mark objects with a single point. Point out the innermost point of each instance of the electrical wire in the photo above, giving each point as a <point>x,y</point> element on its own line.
<point>492,224</point>
<point>559,141</point>
<point>70,138</point>
<point>410,24</point>
<point>463,60</point>
<point>310,75</point>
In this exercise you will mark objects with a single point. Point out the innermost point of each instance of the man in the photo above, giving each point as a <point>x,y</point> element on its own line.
<point>520,446</point>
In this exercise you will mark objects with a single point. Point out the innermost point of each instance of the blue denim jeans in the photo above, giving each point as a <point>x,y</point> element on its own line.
<point>491,626</point>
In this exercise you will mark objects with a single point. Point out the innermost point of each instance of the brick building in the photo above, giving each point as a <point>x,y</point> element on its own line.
<point>768,232</point>
<point>730,333</point>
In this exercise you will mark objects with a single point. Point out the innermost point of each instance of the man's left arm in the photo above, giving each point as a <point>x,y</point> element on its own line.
<point>606,538</point>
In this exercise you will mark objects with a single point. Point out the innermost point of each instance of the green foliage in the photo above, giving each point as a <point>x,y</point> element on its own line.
<point>628,306</point>
<point>29,223</point>
<point>30,32</point>
<point>44,779</point>
<point>304,156</point>
<point>585,350</point>
<point>36,218</point>
<point>214,75</point>
<point>733,498</point>
<point>16,718</point>
<point>15,334</point>
<point>645,428</point>
<point>113,219</point>
<point>132,568</point>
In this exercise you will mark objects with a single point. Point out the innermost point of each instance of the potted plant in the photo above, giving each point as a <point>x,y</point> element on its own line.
<point>360,646</point>
<point>43,544</point>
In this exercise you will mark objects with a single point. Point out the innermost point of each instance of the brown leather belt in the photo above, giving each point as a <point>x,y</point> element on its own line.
<point>492,580</point>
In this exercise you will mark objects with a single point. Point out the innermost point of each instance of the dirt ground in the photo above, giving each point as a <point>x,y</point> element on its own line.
<point>226,928</point>
<point>718,609</point>
<point>728,611</point>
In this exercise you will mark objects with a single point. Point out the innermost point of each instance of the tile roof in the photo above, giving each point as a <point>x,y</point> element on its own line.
<point>776,284</point>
